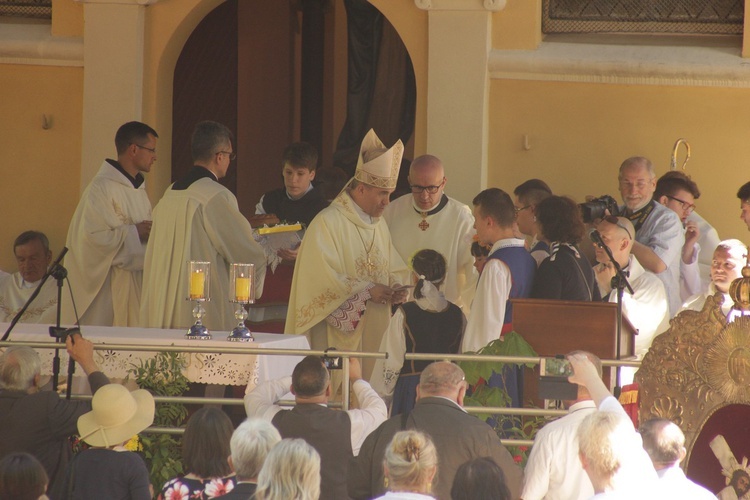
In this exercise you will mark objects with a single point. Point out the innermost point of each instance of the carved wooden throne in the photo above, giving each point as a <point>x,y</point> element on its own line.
<point>697,374</point>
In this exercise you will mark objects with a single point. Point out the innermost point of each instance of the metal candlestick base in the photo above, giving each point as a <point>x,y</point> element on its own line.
<point>198,332</point>
<point>241,334</point>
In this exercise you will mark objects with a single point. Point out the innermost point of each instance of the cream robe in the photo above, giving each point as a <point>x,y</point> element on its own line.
<point>331,267</point>
<point>13,295</point>
<point>200,223</point>
<point>105,255</point>
<point>450,232</point>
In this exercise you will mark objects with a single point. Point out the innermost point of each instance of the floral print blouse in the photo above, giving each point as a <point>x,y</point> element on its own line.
<point>184,488</point>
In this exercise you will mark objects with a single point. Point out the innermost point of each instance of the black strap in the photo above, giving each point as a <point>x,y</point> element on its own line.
<point>639,216</point>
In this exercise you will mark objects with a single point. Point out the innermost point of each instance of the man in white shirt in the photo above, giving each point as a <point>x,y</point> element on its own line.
<point>647,307</point>
<point>336,435</point>
<point>33,256</point>
<point>425,218</point>
<point>553,470</point>
<point>665,444</point>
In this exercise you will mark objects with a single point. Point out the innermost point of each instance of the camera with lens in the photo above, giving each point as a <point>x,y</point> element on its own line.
<point>331,362</point>
<point>595,209</point>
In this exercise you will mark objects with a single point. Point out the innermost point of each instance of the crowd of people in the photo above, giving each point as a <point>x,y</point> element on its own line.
<point>423,274</point>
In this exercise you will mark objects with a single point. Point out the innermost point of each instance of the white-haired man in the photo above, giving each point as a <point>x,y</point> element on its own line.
<point>664,442</point>
<point>658,235</point>
<point>33,256</point>
<point>250,444</point>
<point>39,422</point>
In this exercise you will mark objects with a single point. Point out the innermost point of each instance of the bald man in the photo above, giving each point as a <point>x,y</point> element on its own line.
<point>428,218</point>
<point>647,308</point>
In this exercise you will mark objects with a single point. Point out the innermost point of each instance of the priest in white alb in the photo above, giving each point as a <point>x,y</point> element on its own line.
<point>348,273</point>
<point>428,218</point>
<point>198,219</point>
<point>108,233</point>
<point>33,256</point>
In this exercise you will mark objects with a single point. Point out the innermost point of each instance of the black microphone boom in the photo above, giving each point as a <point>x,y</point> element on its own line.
<point>596,238</point>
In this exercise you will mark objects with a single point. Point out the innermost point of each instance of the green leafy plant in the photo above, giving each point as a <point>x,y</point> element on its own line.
<point>478,372</point>
<point>162,376</point>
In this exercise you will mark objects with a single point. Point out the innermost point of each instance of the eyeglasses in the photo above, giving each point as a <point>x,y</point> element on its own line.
<point>687,207</point>
<point>614,220</point>
<point>430,189</point>
<point>519,209</point>
<point>231,155</point>
<point>151,150</point>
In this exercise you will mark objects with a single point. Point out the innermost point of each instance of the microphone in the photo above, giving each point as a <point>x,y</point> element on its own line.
<point>596,238</point>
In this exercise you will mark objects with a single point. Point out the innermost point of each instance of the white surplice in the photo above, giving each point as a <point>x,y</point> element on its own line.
<point>449,231</point>
<point>201,223</point>
<point>14,292</point>
<point>105,254</point>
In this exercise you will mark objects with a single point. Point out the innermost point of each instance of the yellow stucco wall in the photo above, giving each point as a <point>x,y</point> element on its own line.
<point>580,133</point>
<point>40,168</point>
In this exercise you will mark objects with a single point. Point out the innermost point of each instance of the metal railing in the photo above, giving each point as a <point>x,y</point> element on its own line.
<point>345,355</point>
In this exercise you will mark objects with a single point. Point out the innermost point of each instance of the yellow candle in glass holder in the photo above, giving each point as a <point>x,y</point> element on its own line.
<point>197,283</point>
<point>242,289</point>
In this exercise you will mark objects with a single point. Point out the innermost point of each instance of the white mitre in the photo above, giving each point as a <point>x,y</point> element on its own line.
<point>381,171</point>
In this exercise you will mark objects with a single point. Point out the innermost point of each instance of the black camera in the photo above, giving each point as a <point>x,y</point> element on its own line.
<point>331,362</point>
<point>595,209</point>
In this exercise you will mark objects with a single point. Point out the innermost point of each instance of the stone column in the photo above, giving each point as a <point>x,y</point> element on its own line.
<point>113,48</point>
<point>459,43</point>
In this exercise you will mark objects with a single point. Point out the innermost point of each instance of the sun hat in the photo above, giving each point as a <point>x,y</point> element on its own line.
<point>116,415</point>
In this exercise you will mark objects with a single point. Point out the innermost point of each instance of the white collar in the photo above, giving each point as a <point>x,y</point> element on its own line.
<point>309,188</point>
<point>366,218</point>
<point>507,242</point>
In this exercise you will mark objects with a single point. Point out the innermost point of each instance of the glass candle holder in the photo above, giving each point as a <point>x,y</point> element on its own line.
<point>199,281</point>
<point>242,292</point>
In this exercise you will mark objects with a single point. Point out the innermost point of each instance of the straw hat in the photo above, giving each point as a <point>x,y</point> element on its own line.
<point>382,171</point>
<point>117,415</point>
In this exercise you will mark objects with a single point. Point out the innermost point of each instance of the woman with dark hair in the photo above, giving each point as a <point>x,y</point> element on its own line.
<point>428,324</point>
<point>205,453</point>
<point>480,479</point>
<point>566,274</point>
<point>22,477</point>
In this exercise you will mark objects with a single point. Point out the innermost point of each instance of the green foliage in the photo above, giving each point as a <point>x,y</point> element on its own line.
<point>478,372</point>
<point>512,344</point>
<point>162,376</point>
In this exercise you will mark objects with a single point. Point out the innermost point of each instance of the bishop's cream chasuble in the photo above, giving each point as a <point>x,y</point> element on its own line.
<point>341,256</point>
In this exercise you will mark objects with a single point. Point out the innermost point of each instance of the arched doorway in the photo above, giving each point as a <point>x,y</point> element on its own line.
<point>276,72</point>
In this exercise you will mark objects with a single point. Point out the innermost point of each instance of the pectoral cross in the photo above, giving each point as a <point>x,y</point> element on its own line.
<point>424,224</point>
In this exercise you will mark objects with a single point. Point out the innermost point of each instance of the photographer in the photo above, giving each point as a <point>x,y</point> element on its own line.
<point>39,422</point>
<point>336,435</point>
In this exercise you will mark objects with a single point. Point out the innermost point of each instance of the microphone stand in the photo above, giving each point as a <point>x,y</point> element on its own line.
<point>619,282</point>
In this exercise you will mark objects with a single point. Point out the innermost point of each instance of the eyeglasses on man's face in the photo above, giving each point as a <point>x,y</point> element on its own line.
<point>430,189</point>
<point>520,209</point>
<point>150,150</point>
<point>230,154</point>
<point>686,206</point>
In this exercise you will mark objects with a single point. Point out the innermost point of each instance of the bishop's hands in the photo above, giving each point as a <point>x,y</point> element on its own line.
<point>383,294</point>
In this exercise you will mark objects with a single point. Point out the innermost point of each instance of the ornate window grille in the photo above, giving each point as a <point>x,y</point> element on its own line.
<point>29,9</point>
<point>725,17</point>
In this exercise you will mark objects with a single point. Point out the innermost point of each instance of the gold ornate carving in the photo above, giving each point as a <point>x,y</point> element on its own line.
<point>696,367</point>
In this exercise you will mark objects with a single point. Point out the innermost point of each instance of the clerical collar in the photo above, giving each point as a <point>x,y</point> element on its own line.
<point>309,188</point>
<point>440,205</point>
<point>639,216</point>
<point>135,181</point>
<point>194,174</point>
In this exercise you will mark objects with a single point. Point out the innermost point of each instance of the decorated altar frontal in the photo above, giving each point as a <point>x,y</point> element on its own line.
<point>206,368</point>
